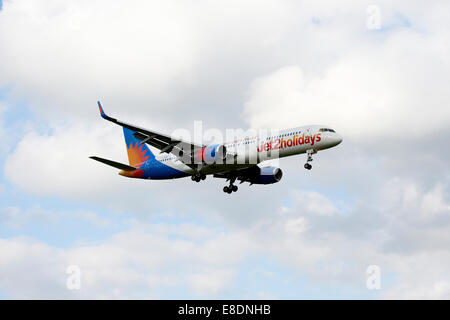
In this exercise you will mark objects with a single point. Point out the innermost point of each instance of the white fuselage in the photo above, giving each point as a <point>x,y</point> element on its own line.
<point>249,151</point>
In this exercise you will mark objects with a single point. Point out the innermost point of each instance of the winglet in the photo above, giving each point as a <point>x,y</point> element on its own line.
<point>103,114</point>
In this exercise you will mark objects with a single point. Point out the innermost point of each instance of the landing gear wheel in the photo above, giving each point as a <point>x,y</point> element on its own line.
<point>308,166</point>
<point>230,189</point>
<point>198,178</point>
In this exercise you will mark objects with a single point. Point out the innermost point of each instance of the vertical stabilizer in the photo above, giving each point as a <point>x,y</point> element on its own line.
<point>137,152</point>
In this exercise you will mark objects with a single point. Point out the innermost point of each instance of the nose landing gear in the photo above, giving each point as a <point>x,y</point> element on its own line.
<point>309,153</point>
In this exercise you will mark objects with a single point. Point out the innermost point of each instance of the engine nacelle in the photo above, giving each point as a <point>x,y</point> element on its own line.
<point>267,175</point>
<point>211,154</point>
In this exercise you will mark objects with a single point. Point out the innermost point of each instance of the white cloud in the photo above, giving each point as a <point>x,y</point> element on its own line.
<point>403,232</point>
<point>439,290</point>
<point>131,264</point>
<point>311,237</point>
<point>389,84</point>
<point>377,92</point>
<point>28,266</point>
<point>143,56</point>
<point>59,163</point>
<point>147,56</point>
<point>77,51</point>
<point>210,284</point>
<point>17,218</point>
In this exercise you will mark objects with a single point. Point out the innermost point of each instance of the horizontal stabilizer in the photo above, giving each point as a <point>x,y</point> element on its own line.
<point>114,164</point>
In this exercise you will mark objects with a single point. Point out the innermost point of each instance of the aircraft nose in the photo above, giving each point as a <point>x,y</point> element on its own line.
<point>336,139</point>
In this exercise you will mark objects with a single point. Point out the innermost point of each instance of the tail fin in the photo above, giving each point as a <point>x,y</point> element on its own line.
<point>137,152</point>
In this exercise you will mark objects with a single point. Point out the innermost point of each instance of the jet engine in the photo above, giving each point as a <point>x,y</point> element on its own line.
<point>267,175</point>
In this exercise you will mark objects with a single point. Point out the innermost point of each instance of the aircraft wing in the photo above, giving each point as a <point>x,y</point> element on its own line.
<point>243,175</point>
<point>163,142</point>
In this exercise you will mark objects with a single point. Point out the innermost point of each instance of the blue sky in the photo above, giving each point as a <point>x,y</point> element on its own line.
<point>374,200</point>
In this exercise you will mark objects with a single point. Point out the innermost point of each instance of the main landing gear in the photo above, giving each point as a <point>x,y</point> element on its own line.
<point>231,188</point>
<point>309,153</point>
<point>198,177</point>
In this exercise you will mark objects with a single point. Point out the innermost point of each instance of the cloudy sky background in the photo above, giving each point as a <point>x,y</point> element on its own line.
<point>380,198</point>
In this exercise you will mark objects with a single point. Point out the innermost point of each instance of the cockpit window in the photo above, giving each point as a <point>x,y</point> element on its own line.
<point>326,130</point>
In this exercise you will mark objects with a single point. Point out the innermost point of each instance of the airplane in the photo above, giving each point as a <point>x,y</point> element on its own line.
<point>240,160</point>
